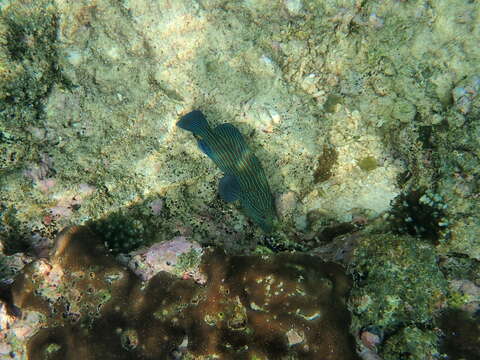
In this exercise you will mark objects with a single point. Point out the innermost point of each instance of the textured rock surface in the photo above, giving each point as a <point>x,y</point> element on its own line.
<point>177,256</point>
<point>271,307</point>
<point>347,104</point>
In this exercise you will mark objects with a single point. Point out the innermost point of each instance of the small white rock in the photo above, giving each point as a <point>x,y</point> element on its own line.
<point>294,7</point>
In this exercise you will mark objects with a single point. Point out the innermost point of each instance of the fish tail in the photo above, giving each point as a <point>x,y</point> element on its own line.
<point>195,122</point>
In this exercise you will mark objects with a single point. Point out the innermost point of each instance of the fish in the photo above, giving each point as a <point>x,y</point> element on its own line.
<point>244,179</point>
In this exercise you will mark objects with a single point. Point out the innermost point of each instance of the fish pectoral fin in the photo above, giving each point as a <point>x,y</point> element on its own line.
<point>229,188</point>
<point>205,148</point>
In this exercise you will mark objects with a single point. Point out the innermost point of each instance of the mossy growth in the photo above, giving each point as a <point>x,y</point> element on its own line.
<point>411,343</point>
<point>188,260</point>
<point>326,161</point>
<point>368,163</point>
<point>276,307</point>
<point>398,282</point>
<point>28,59</point>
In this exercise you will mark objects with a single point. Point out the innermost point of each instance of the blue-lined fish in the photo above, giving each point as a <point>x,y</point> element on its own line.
<point>244,178</point>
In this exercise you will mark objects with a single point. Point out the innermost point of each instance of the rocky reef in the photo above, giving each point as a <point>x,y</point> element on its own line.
<point>364,115</point>
<point>250,307</point>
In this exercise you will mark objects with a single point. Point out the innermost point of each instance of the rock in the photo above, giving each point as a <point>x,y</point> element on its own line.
<point>170,256</point>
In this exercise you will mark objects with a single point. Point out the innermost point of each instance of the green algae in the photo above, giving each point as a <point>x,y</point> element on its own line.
<point>399,281</point>
<point>187,261</point>
<point>368,163</point>
<point>411,343</point>
<point>326,161</point>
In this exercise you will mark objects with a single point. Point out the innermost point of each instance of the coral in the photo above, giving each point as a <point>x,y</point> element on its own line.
<point>119,232</point>
<point>398,281</point>
<point>411,343</point>
<point>15,330</point>
<point>128,229</point>
<point>458,166</point>
<point>98,86</point>
<point>419,213</point>
<point>399,290</point>
<point>252,307</point>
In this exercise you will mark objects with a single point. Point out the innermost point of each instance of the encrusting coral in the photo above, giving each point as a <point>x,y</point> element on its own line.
<point>251,307</point>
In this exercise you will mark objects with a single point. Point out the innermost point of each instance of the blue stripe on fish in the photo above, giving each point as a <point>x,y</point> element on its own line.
<point>244,178</point>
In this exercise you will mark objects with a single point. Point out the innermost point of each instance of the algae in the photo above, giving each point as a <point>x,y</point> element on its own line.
<point>368,163</point>
<point>399,281</point>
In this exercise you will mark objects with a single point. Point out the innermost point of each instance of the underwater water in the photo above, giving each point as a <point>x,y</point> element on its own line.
<point>352,143</point>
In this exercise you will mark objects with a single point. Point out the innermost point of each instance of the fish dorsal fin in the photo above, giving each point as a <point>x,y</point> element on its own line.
<point>232,136</point>
<point>229,188</point>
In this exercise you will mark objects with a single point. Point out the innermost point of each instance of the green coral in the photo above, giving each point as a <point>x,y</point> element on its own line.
<point>399,282</point>
<point>120,233</point>
<point>131,227</point>
<point>411,343</point>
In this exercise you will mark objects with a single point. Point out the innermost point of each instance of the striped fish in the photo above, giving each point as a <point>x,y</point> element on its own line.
<point>244,178</point>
